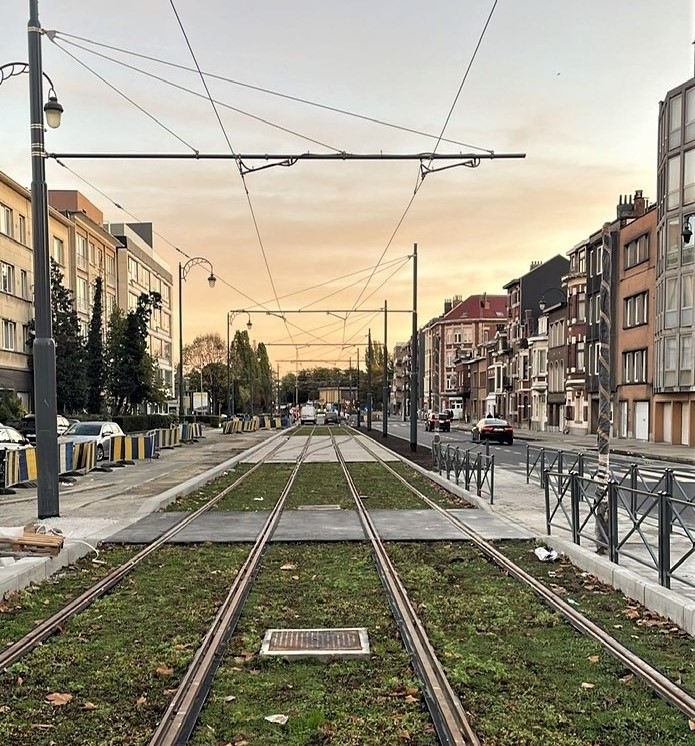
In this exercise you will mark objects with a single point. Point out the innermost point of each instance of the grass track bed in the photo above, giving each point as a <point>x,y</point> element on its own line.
<point>199,497</point>
<point>320,484</point>
<point>342,703</point>
<point>118,658</point>
<point>525,675</point>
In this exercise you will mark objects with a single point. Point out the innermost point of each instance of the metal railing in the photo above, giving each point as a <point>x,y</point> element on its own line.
<point>473,466</point>
<point>654,527</point>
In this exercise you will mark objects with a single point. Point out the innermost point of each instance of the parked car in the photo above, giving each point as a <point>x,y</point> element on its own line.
<point>493,428</point>
<point>307,414</point>
<point>331,417</point>
<point>11,439</point>
<point>27,426</point>
<point>101,432</point>
<point>444,421</point>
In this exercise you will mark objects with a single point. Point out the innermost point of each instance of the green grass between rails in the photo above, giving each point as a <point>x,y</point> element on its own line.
<point>119,660</point>
<point>320,484</point>
<point>525,675</point>
<point>368,702</point>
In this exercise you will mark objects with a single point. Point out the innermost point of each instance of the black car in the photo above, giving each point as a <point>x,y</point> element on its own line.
<point>493,428</point>
<point>444,423</point>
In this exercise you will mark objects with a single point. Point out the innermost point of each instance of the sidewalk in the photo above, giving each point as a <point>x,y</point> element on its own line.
<point>623,446</point>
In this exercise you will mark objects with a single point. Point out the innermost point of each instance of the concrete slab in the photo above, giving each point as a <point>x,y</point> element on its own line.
<point>491,526</point>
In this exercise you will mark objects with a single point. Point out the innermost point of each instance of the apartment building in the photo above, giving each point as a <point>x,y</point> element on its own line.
<point>17,282</point>
<point>538,352</point>
<point>94,251</point>
<point>634,321</point>
<point>674,392</point>
<point>574,284</point>
<point>142,270</point>
<point>524,297</point>
<point>556,316</point>
<point>400,383</point>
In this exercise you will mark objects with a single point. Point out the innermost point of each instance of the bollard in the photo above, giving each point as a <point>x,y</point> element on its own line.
<point>487,446</point>
<point>665,517</point>
<point>491,479</point>
<point>574,507</point>
<point>478,485</point>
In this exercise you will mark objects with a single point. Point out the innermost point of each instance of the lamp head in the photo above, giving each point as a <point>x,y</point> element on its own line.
<point>212,280</point>
<point>542,304</point>
<point>249,324</point>
<point>687,230</point>
<point>53,111</point>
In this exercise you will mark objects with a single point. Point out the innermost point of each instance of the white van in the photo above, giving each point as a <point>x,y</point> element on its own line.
<point>307,414</point>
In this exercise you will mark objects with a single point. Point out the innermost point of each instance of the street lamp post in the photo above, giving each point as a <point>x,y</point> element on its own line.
<point>231,315</point>
<point>45,405</point>
<point>183,272</point>
<point>369,381</point>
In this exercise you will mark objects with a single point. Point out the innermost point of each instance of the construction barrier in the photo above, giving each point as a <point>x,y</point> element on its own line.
<point>132,447</point>
<point>65,451</point>
<point>231,426</point>
<point>84,456</point>
<point>167,437</point>
<point>20,466</point>
<point>191,431</point>
<point>249,426</point>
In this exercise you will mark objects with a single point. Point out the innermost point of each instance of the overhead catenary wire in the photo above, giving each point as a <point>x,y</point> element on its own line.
<point>420,178</point>
<point>346,112</point>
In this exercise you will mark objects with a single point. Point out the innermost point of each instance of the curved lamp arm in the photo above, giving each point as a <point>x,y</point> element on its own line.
<point>52,108</point>
<point>194,262</point>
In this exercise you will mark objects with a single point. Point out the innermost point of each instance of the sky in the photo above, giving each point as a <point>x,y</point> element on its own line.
<point>574,86</point>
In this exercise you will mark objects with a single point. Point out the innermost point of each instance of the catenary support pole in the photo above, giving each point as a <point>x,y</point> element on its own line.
<point>181,410</point>
<point>45,404</point>
<point>604,392</point>
<point>414,361</point>
<point>385,393</point>
<point>370,398</point>
<point>229,371</point>
<point>358,387</point>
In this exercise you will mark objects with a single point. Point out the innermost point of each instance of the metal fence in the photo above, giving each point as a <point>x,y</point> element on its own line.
<point>654,527</point>
<point>471,467</point>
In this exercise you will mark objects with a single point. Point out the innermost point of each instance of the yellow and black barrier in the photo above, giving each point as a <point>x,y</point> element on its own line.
<point>132,447</point>
<point>190,431</point>
<point>231,426</point>
<point>20,466</point>
<point>84,456</point>
<point>167,437</point>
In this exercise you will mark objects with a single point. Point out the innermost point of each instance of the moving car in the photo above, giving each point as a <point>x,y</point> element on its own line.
<point>331,417</point>
<point>444,422</point>
<point>27,426</point>
<point>493,428</point>
<point>100,432</point>
<point>307,414</point>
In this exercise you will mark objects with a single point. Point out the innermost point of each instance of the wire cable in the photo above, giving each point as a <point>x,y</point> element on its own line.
<point>271,92</point>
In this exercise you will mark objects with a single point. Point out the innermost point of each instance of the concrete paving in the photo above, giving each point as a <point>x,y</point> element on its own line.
<point>321,450</point>
<point>320,525</point>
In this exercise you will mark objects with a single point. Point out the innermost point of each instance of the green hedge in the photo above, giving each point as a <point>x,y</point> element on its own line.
<point>136,423</point>
<point>209,419</point>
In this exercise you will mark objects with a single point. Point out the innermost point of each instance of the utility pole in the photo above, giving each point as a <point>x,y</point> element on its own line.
<point>385,395</point>
<point>369,381</point>
<point>414,361</point>
<point>358,388</point>
<point>604,394</point>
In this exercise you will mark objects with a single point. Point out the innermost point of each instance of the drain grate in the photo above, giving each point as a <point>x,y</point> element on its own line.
<point>299,643</point>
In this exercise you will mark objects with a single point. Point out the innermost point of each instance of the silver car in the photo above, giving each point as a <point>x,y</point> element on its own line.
<point>100,432</point>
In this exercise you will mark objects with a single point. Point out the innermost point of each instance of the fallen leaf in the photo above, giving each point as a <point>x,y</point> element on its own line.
<point>691,724</point>
<point>409,699</point>
<point>19,681</point>
<point>586,685</point>
<point>141,700</point>
<point>295,577</point>
<point>289,566</point>
<point>183,646</point>
<point>229,698</point>
<point>170,692</point>
<point>404,735</point>
<point>164,671</point>
<point>4,709</point>
<point>626,679</point>
<point>58,699</point>
<point>89,706</point>
<point>593,658</point>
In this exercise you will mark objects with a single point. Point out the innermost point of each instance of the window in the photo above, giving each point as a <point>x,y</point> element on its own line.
<point>580,356</point>
<point>689,177</point>
<point>81,251</point>
<point>110,270</point>
<point>7,272</point>
<point>637,251</point>
<point>83,329</point>
<point>145,277</point>
<point>597,348</point>
<point>685,377</point>
<point>686,300</point>
<point>165,292</point>
<point>674,122</point>
<point>58,251</point>
<point>635,310</point>
<point>166,354</point>
<point>22,225</point>
<point>110,303</point>
<point>582,261</point>
<point>670,361</point>
<point>132,301</point>
<point>457,338</point>
<point>673,243</point>
<point>671,315</point>
<point>674,182</point>
<point>688,249</point>
<point>581,305</point>
<point>132,269</point>
<point>690,115</point>
<point>82,294</point>
<point>24,284</point>
<point>166,321</point>
<point>9,335</point>
<point>635,366</point>
<point>6,220</point>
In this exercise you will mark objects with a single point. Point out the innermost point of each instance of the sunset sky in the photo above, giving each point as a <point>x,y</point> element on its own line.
<point>575,86</point>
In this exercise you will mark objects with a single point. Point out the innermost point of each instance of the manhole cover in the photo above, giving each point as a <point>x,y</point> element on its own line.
<point>299,643</point>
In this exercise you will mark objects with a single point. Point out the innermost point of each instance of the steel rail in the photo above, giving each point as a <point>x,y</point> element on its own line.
<point>50,626</point>
<point>179,720</point>
<point>661,684</point>
<point>446,710</point>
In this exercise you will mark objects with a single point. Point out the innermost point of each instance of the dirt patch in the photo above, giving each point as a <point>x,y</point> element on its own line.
<point>421,457</point>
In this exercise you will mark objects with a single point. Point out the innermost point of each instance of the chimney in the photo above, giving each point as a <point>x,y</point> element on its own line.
<point>534,265</point>
<point>447,306</point>
<point>640,204</point>
<point>457,300</point>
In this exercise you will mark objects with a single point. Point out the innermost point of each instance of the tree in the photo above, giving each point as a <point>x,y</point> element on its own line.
<point>133,375</point>
<point>96,375</point>
<point>71,378</point>
<point>265,379</point>
<point>11,408</point>
<point>207,354</point>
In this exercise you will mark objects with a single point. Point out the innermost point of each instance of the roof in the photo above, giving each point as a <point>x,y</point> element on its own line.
<point>482,306</point>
